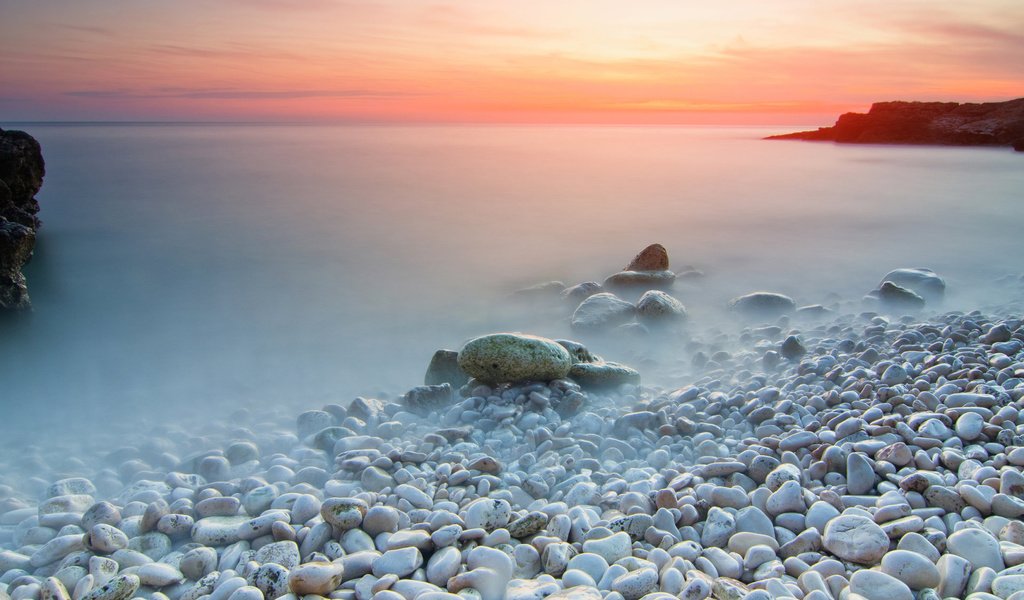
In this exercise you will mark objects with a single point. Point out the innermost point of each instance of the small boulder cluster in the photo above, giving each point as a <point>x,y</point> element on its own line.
<point>604,307</point>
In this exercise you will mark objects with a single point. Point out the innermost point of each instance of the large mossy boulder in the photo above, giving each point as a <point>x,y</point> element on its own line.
<point>512,357</point>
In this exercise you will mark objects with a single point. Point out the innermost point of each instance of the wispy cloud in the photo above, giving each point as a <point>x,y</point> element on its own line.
<point>93,30</point>
<point>233,94</point>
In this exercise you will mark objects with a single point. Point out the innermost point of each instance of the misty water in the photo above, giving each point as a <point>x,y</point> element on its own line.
<point>196,269</point>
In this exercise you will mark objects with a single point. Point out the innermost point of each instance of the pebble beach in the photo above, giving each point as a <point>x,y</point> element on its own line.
<point>842,453</point>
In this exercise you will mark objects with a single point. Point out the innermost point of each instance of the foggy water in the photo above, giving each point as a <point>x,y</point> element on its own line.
<point>198,268</point>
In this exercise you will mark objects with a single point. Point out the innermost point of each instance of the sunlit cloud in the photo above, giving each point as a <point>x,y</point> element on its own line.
<point>450,61</point>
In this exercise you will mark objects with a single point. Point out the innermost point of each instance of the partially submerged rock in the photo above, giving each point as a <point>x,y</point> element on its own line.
<point>640,280</point>
<point>656,307</point>
<point>895,298</point>
<point>546,289</point>
<point>444,368</point>
<point>792,348</point>
<point>599,376</point>
<point>762,305</point>
<point>580,292</point>
<point>511,357</point>
<point>578,351</point>
<point>602,311</point>
<point>651,258</point>
<point>923,282</point>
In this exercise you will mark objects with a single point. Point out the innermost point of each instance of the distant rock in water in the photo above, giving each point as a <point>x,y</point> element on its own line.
<point>896,298</point>
<point>930,123</point>
<point>602,311</point>
<point>580,292</point>
<point>546,289</point>
<point>762,305</point>
<point>640,280</point>
<point>651,258</point>
<point>21,175</point>
<point>657,307</point>
<point>923,282</point>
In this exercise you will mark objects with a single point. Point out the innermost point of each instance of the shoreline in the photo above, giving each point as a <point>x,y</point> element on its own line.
<point>834,455</point>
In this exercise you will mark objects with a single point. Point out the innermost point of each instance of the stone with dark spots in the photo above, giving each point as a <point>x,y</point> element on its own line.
<point>512,357</point>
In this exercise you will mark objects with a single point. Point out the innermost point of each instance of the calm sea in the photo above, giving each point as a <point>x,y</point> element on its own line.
<point>198,268</point>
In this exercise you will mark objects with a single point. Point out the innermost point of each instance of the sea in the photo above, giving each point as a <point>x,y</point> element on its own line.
<point>188,271</point>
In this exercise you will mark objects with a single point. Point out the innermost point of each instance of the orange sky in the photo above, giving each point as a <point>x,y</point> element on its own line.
<point>575,61</point>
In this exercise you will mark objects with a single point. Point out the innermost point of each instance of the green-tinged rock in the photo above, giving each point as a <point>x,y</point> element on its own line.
<point>120,587</point>
<point>510,357</point>
<point>603,375</point>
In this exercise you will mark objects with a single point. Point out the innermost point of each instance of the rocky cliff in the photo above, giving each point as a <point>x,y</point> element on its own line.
<point>938,123</point>
<point>21,176</point>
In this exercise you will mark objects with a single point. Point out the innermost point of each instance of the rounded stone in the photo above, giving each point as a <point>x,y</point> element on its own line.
<point>762,304</point>
<point>401,562</point>
<point>969,426</point>
<point>319,578</point>
<point>610,548</point>
<point>602,311</point>
<point>511,357</point>
<point>651,258</point>
<point>487,513</point>
<point>635,584</point>
<point>876,585</point>
<point>924,282</point>
<point>978,546</point>
<point>656,307</point>
<point>911,568</point>
<point>343,513</point>
<point>855,538</point>
<point>603,375</point>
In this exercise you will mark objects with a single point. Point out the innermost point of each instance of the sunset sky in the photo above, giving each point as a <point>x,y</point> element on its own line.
<point>600,61</point>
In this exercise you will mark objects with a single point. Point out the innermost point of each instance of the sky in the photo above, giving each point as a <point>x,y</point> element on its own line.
<point>517,61</point>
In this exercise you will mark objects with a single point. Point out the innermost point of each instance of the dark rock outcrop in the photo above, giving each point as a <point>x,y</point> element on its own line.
<point>931,123</point>
<point>21,176</point>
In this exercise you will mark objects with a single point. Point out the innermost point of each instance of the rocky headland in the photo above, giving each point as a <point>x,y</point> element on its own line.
<point>21,176</point>
<point>930,123</point>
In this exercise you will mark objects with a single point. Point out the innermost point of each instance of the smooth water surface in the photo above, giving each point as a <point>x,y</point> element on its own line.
<point>194,269</point>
